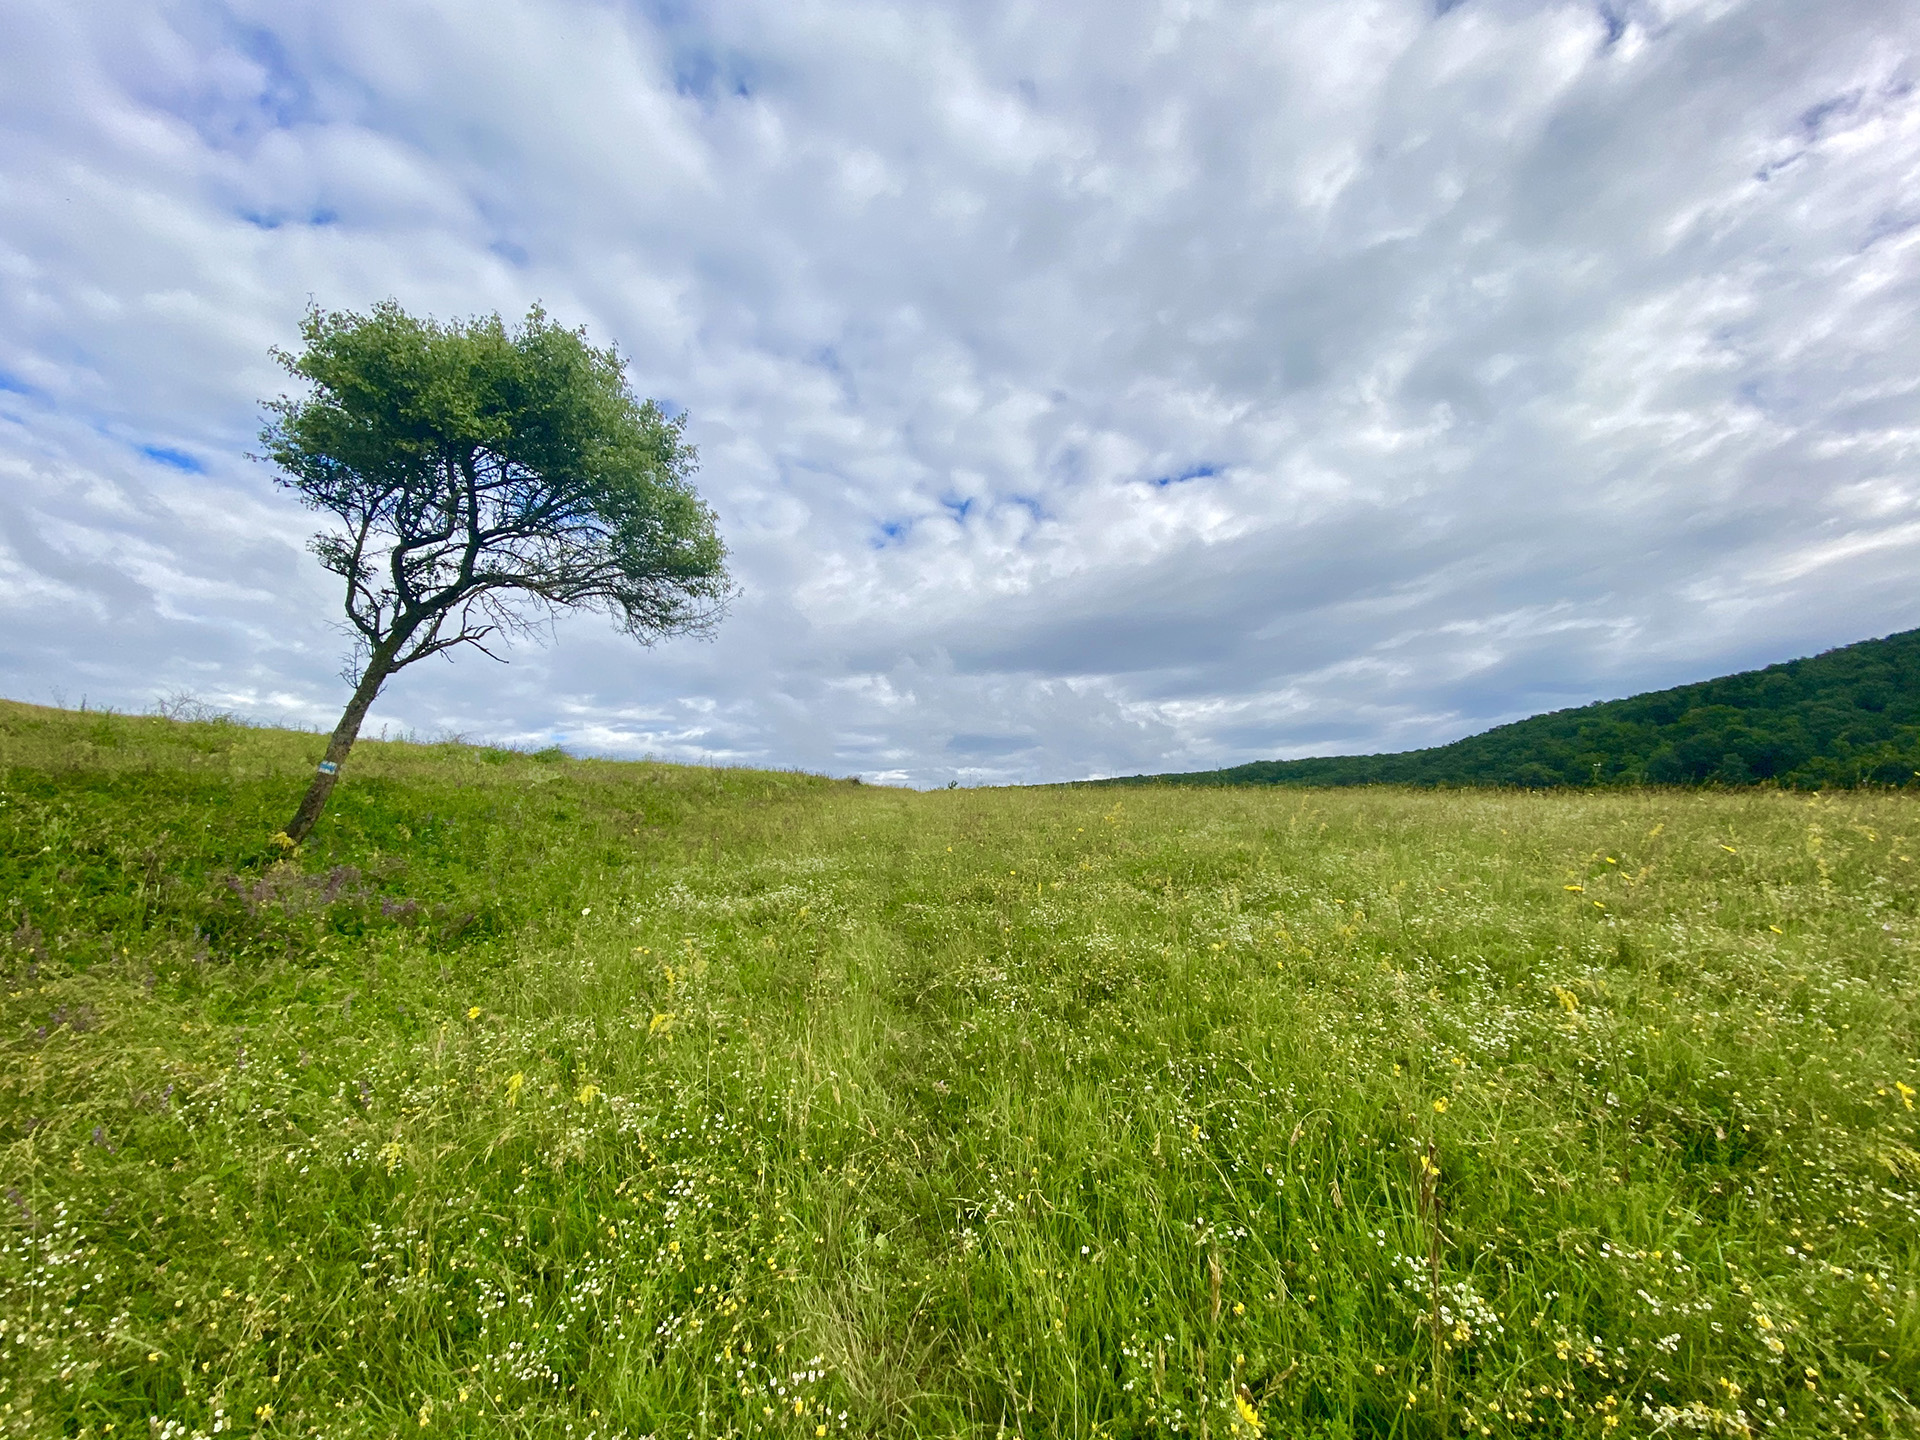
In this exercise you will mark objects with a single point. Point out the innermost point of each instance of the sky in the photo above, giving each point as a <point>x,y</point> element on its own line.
<point>1084,387</point>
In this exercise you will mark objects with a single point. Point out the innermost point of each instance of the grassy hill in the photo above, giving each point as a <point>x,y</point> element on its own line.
<point>1847,717</point>
<point>556,1098</point>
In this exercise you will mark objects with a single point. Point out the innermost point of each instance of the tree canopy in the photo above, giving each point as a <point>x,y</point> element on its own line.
<point>484,477</point>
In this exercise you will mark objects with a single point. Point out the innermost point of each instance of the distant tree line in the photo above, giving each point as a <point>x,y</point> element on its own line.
<point>1847,717</point>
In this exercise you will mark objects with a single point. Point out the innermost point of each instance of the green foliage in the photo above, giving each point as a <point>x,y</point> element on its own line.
<point>475,469</point>
<point>1848,717</point>
<point>559,1097</point>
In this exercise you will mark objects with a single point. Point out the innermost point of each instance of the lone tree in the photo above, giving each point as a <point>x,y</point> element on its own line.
<point>483,479</point>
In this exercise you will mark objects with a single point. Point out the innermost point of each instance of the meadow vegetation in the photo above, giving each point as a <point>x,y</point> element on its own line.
<point>547,1097</point>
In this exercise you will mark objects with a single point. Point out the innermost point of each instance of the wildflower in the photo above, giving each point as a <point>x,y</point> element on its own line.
<point>1906,1094</point>
<point>473,1012</point>
<point>1246,1414</point>
<point>1440,1106</point>
<point>1729,849</point>
<point>662,1021</point>
<point>263,1412</point>
<point>587,1092</point>
<point>514,1082</point>
<point>1577,889</point>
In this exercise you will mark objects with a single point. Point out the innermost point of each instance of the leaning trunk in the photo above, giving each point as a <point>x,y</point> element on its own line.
<point>379,666</point>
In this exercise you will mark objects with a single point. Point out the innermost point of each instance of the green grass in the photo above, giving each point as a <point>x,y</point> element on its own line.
<point>561,1098</point>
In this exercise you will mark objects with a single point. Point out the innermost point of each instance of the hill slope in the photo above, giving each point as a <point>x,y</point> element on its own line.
<point>1846,717</point>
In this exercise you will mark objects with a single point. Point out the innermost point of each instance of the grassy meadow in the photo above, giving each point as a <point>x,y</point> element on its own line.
<point>544,1097</point>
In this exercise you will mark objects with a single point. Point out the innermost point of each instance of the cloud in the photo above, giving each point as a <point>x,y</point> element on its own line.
<point>1083,389</point>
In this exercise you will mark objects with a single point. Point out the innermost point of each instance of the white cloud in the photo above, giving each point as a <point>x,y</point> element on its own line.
<point>1082,388</point>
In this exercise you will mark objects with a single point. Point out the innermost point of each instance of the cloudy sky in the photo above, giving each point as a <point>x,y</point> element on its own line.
<point>1084,387</point>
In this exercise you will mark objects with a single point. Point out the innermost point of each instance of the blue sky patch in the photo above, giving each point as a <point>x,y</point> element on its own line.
<point>1192,472</point>
<point>173,459</point>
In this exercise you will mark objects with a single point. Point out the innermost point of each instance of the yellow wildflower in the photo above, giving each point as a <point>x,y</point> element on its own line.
<point>514,1082</point>
<point>587,1093</point>
<point>1440,1106</point>
<point>473,1012</point>
<point>1906,1094</point>
<point>1247,1415</point>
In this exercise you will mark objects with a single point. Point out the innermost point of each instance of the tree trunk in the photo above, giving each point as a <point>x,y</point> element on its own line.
<point>379,666</point>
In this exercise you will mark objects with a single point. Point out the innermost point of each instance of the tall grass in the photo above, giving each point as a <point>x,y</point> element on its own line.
<point>560,1098</point>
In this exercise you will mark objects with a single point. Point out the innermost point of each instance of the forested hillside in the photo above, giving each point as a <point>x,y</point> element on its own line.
<point>1847,717</point>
